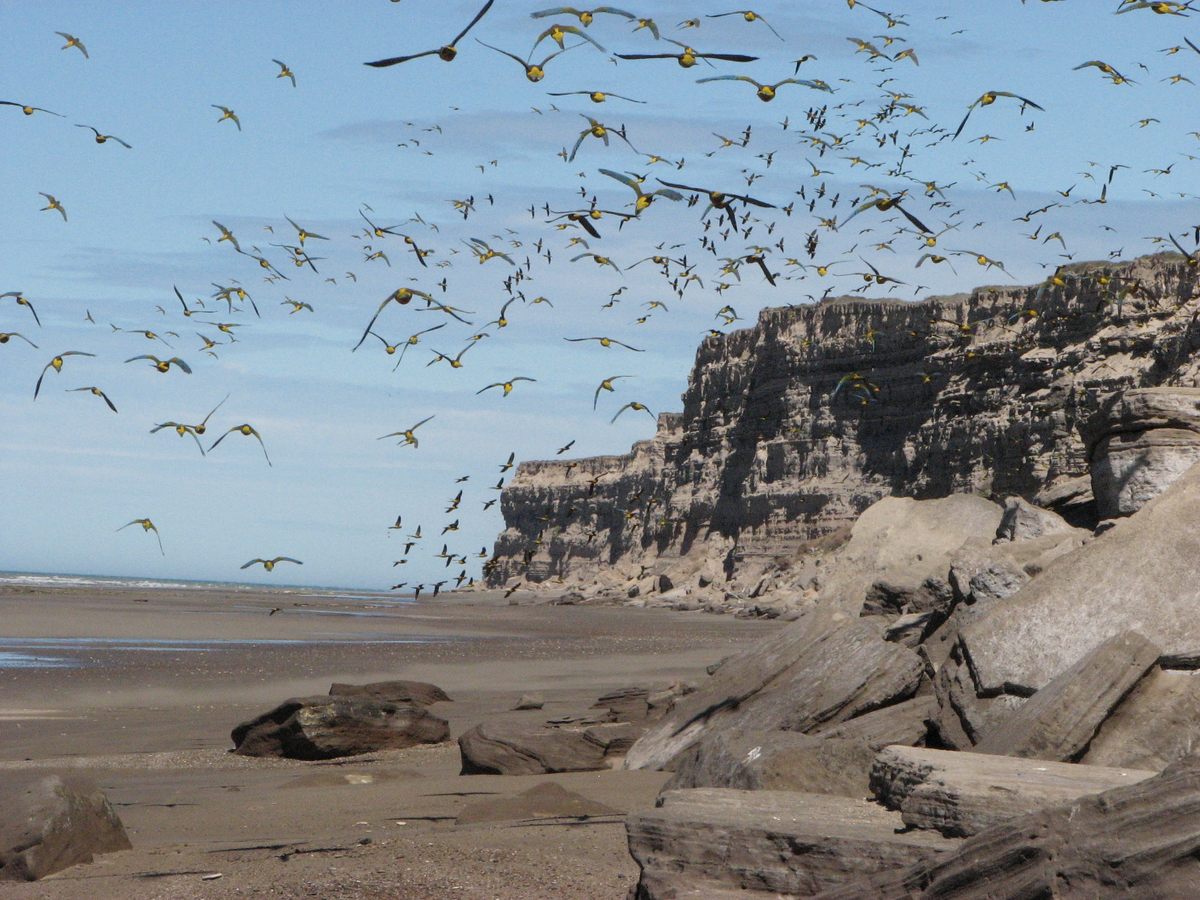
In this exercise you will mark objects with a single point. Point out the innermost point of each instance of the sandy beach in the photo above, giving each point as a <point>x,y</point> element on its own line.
<point>139,689</point>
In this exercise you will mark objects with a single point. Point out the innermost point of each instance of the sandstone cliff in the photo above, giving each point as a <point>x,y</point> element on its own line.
<point>792,428</point>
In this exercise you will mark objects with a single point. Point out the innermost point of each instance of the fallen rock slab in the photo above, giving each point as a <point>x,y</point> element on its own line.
<point>1155,725</point>
<point>960,794</point>
<point>777,761</point>
<point>1059,721</point>
<point>711,842</point>
<point>419,692</point>
<point>1140,840</point>
<point>48,824</point>
<point>530,701</point>
<point>494,748</point>
<point>331,727</point>
<point>1139,575</point>
<point>823,669</point>
<point>835,760</point>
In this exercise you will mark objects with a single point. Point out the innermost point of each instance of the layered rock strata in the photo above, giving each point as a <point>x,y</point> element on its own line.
<point>792,428</point>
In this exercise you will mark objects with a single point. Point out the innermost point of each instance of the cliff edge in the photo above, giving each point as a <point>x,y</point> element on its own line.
<point>792,428</point>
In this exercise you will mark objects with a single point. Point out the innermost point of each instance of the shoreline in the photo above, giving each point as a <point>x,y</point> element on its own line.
<point>151,727</point>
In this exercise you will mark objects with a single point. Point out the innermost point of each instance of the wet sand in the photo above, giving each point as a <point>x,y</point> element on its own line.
<point>148,685</point>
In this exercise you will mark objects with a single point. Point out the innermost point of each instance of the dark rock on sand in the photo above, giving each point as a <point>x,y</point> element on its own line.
<point>494,748</point>
<point>51,823</point>
<point>1141,840</point>
<point>330,727</point>
<point>419,692</point>
<point>712,843</point>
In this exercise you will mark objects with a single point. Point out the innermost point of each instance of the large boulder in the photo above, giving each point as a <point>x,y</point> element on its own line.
<point>1139,575</point>
<point>823,669</point>
<point>711,843</point>
<point>1140,442</point>
<point>1139,840</point>
<point>50,823</point>
<point>1023,521</point>
<point>495,748</point>
<point>330,727</point>
<point>419,692</point>
<point>900,551</point>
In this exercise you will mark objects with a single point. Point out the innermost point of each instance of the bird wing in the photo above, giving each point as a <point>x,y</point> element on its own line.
<point>479,15</point>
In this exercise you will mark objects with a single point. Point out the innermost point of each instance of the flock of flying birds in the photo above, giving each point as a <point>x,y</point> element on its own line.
<point>737,231</point>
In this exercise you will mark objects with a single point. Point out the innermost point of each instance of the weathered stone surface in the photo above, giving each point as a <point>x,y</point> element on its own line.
<point>776,761</point>
<point>419,692</point>
<point>764,460</point>
<point>542,801</point>
<point>900,723</point>
<point>1141,409</point>
<point>822,669</point>
<point>1156,724</point>
<point>1022,521</point>
<point>642,703</point>
<point>963,717</point>
<point>707,842</point>
<point>1141,441</point>
<point>614,738</point>
<point>900,550</point>
<point>1059,721</point>
<point>504,749</point>
<point>834,760</point>
<point>960,794</point>
<point>49,823</point>
<point>329,727</point>
<point>530,701</point>
<point>1138,575</point>
<point>1140,840</point>
<point>1129,470</point>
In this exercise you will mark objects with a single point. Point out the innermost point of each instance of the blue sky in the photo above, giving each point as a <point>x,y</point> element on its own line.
<point>138,219</point>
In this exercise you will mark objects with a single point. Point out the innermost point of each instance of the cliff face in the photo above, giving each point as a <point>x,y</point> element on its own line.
<point>793,427</point>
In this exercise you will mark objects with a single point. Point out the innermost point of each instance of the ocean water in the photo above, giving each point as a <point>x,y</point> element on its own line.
<point>112,582</point>
<point>72,653</point>
<point>78,652</point>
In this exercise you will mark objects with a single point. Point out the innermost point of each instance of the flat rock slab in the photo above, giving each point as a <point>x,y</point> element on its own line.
<point>1140,575</point>
<point>1141,840</point>
<point>1158,723</point>
<point>420,692</point>
<point>323,727</point>
<point>960,794</point>
<point>542,801</point>
<point>778,761</point>
<point>494,748</point>
<point>1060,720</point>
<point>823,669</point>
<point>48,824</point>
<point>708,842</point>
<point>836,760</point>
